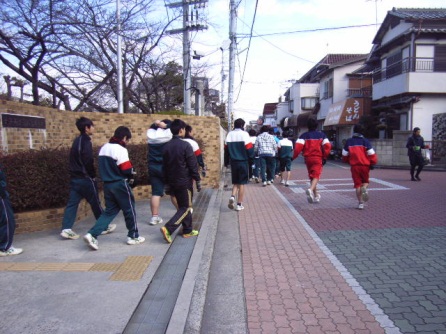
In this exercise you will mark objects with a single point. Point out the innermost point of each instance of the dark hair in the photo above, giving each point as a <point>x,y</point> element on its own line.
<point>188,131</point>
<point>176,126</point>
<point>121,132</point>
<point>285,134</point>
<point>416,129</point>
<point>358,128</point>
<point>312,124</point>
<point>239,123</point>
<point>264,128</point>
<point>252,132</point>
<point>83,122</point>
<point>168,122</point>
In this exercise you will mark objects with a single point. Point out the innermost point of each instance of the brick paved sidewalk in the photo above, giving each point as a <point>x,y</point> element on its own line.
<point>330,268</point>
<point>291,284</point>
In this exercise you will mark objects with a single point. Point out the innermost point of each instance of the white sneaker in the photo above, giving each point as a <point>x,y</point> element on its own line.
<point>109,229</point>
<point>268,182</point>
<point>287,184</point>
<point>156,220</point>
<point>257,180</point>
<point>11,251</point>
<point>264,184</point>
<point>69,234</point>
<point>239,207</point>
<point>361,206</point>
<point>231,203</point>
<point>317,198</point>
<point>310,195</point>
<point>135,241</point>
<point>282,182</point>
<point>91,241</point>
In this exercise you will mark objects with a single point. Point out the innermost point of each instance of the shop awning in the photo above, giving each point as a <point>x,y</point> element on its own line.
<point>346,112</point>
<point>298,120</point>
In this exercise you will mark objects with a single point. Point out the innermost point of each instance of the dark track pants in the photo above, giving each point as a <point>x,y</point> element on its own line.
<point>80,189</point>
<point>7,224</point>
<point>118,196</point>
<point>183,216</point>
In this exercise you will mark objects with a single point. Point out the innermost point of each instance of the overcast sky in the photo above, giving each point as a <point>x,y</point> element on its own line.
<point>294,36</point>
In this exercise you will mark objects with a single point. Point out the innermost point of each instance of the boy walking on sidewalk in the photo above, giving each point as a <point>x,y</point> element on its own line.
<point>118,176</point>
<point>238,150</point>
<point>180,168</point>
<point>83,179</point>
<point>361,156</point>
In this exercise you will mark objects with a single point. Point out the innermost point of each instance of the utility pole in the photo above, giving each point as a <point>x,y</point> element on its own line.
<point>223,76</point>
<point>119,56</point>
<point>232,47</point>
<point>190,23</point>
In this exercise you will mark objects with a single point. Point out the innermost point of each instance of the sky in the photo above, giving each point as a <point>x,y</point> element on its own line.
<point>289,38</point>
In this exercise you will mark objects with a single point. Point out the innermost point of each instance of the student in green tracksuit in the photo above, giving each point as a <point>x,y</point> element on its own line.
<point>118,176</point>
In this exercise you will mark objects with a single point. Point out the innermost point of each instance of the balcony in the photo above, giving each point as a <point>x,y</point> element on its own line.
<point>422,65</point>
<point>411,75</point>
<point>359,92</point>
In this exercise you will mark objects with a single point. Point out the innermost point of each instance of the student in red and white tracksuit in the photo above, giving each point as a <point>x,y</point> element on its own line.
<point>361,156</point>
<point>315,148</point>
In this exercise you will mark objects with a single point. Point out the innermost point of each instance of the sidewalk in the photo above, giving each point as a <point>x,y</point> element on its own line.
<point>282,265</point>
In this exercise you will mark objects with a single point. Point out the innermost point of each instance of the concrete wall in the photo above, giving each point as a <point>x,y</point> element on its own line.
<point>60,130</point>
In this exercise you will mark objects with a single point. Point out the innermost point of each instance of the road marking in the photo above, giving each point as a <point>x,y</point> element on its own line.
<point>342,185</point>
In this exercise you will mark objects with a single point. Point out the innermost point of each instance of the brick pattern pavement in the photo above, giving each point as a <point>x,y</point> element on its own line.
<point>289,282</point>
<point>394,250</point>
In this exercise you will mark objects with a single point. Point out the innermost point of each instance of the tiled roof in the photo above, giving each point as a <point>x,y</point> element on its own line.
<point>419,13</point>
<point>333,58</point>
<point>329,61</point>
<point>427,20</point>
<point>269,108</point>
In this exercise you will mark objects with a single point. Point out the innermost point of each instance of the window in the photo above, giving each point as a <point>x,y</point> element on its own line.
<point>327,89</point>
<point>291,106</point>
<point>394,66</point>
<point>308,103</point>
<point>440,58</point>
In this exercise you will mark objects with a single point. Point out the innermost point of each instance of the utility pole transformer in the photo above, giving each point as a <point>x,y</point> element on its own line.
<point>191,22</point>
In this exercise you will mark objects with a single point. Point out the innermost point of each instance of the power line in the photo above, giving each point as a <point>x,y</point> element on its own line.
<point>309,30</point>
<point>247,51</point>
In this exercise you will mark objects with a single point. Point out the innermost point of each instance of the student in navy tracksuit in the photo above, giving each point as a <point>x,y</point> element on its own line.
<point>361,156</point>
<point>315,148</point>
<point>180,170</point>
<point>7,221</point>
<point>82,179</point>
<point>238,150</point>
<point>118,176</point>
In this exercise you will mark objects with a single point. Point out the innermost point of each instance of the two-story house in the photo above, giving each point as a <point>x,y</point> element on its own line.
<point>409,80</point>
<point>302,99</point>
<point>342,93</point>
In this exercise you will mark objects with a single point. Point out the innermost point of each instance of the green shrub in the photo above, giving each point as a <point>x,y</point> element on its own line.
<point>40,179</point>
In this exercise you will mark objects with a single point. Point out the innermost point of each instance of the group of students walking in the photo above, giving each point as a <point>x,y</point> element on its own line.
<point>172,161</point>
<point>244,150</point>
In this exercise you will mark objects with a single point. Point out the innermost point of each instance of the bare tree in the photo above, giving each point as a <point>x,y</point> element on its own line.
<point>68,49</point>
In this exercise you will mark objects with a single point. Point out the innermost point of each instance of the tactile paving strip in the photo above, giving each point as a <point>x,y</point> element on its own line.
<point>131,269</point>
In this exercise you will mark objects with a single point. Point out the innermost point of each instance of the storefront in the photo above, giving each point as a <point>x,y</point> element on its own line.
<point>341,118</point>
